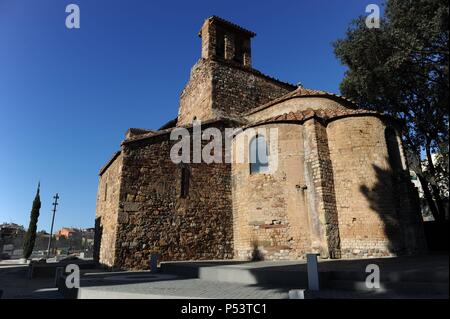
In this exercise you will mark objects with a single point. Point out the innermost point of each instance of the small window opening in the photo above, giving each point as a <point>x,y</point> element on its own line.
<point>185,176</point>
<point>258,157</point>
<point>220,44</point>
<point>238,51</point>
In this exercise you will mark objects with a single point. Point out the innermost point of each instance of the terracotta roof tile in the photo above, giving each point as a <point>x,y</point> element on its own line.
<point>152,134</point>
<point>323,114</point>
<point>137,131</point>
<point>229,24</point>
<point>303,92</point>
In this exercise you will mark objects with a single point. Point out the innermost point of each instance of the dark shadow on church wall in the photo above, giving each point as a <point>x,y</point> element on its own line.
<point>97,238</point>
<point>403,225</point>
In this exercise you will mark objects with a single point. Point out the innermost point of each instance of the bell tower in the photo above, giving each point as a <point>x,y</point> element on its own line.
<point>223,83</point>
<point>225,40</point>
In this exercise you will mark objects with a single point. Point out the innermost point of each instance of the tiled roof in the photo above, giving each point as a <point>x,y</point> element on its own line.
<point>147,135</point>
<point>323,114</point>
<point>169,124</point>
<point>137,131</point>
<point>229,24</point>
<point>113,158</point>
<point>152,134</point>
<point>303,92</point>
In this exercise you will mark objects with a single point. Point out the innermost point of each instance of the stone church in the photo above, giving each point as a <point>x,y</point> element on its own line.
<point>341,186</point>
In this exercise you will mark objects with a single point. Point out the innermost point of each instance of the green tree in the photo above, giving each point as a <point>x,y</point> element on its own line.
<point>401,69</point>
<point>30,236</point>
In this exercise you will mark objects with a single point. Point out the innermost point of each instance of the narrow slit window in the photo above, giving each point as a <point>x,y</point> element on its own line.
<point>106,192</point>
<point>239,51</point>
<point>220,44</point>
<point>185,176</point>
<point>258,157</point>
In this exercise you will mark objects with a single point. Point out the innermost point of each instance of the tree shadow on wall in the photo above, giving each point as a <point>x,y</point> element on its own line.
<point>382,199</point>
<point>396,201</point>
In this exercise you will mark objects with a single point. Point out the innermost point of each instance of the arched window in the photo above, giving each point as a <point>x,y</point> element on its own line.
<point>258,157</point>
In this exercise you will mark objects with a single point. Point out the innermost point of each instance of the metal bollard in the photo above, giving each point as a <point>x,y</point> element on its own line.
<point>30,271</point>
<point>313,273</point>
<point>154,262</point>
<point>58,274</point>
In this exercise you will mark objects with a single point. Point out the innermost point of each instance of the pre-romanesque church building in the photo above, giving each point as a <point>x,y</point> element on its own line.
<point>334,181</point>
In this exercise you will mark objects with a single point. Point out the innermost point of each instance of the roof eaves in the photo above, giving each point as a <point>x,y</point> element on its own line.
<point>105,167</point>
<point>230,24</point>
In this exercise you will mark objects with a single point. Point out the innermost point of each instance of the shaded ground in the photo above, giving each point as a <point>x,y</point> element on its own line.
<point>177,287</point>
<point>15,285</point>
<point>425,263</point>
<point>197,288</point>
<point>106,284</point>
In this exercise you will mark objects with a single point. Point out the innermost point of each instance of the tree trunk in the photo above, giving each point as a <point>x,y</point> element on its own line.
<point>434,187</point>
<point>428,197</point>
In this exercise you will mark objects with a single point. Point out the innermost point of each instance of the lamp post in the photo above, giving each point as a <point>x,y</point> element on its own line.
<point>55,203</point>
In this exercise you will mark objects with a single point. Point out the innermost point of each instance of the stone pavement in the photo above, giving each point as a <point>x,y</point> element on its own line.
<point>197,288</point>
<point>144,284</point>
<point>426,263</point>
<point>180,288</point>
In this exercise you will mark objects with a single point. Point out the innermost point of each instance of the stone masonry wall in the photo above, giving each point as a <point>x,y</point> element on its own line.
<point>325,237</point>
<point>196,98</point>
<point>407,203</point>
<point>107,212</point>
<point>270,216</point>
<point>154,218</point>
<point>218,89</point>
<point>237,90</point>
<point>369,224</point>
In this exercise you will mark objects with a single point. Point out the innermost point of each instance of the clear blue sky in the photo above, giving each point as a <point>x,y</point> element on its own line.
<point>68,96</point>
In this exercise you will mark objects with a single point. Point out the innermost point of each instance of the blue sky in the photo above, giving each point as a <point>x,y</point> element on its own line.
<point>68,96</point>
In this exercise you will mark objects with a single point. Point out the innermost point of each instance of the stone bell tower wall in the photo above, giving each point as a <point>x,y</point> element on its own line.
<point>223,83</point>
<point>220,89</point>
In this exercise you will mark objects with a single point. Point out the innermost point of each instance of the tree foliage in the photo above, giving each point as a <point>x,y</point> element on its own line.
<point>401,69</point>
<point>30,236</point>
